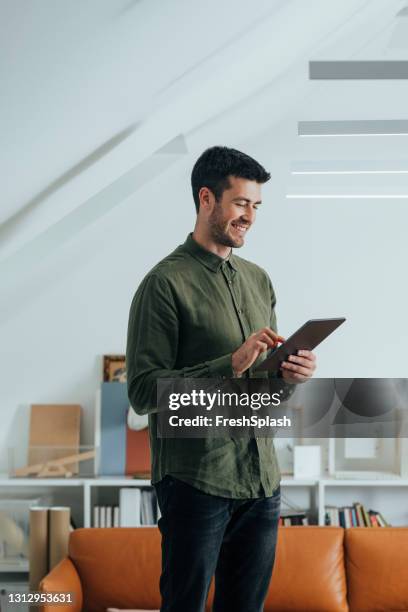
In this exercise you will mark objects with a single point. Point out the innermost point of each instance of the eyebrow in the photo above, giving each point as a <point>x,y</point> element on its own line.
<point>247,200</point>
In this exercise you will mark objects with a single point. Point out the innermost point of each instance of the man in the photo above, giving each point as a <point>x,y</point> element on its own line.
<point>204,312</point>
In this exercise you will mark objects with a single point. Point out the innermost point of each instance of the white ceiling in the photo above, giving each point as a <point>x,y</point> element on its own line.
<point>92,88</point>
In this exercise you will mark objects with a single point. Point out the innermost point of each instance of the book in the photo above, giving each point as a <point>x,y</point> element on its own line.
<point>116,516</point>
<point>366,517</point>
<point>109,516</point>
<point>96,516</point>
<point>353,516</point>
<point>373,518</point>
<point>293,518</point>
<point>360,518</point>
<point>130,507</point>
<point>102,516</point>
<point>381,520</point>
<point>148,507</point>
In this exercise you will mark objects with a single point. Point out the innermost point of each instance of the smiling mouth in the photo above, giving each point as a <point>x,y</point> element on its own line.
<point>239,227</point>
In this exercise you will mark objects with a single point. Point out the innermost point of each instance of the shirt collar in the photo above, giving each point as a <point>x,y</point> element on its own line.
<point>207,258</point>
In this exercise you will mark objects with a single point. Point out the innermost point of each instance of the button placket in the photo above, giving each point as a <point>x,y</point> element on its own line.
<point>238,310</point>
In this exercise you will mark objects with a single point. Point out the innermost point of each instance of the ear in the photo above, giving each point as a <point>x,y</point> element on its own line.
<point>207,199</point>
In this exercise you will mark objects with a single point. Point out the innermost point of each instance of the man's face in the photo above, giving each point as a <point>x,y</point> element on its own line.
<point>234,214</point>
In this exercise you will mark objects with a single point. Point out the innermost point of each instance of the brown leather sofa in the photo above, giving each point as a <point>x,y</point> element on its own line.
<point>317,569</point>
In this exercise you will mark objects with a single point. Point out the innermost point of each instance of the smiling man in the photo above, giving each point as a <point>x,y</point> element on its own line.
<point>205,312</point>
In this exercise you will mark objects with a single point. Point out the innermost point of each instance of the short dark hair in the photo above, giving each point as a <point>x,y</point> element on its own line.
<point>216,164</point>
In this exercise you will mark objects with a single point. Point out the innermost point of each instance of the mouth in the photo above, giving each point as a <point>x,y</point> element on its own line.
<point>240,227</point>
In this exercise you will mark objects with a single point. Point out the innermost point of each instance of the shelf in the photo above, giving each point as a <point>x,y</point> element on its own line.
<point>117,481</point>
<point>123,481</point>
<point>41,482</point>
<point>20,565</point>
<point>313,493</point>
<point>367,482</point>
<point>291,481</point>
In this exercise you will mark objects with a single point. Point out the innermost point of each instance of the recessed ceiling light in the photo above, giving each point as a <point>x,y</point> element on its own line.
<point>349,166</point>
<point>358,69</point>
<point>361,127</point>
<point>345,196</point>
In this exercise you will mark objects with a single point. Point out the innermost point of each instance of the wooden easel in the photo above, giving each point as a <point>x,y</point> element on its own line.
<point>54,467</point>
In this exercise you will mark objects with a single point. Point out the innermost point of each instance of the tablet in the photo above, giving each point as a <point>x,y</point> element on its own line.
<point>307,337</point>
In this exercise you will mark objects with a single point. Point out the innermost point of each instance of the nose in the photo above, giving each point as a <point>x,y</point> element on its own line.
<point>249,214</point>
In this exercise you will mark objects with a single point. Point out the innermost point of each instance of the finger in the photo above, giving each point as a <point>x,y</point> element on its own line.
<point>264,337</point>
<point>307,363</point>
<point>261,346</point>
<point>272,335</point>
<point>292,377</point>
<point>307,354</point>
<point>297,369</point>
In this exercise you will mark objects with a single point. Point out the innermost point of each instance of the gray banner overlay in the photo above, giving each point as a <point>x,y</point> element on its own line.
<point>254,407</point>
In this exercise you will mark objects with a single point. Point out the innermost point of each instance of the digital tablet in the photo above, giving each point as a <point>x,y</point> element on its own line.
<point>307,337</point>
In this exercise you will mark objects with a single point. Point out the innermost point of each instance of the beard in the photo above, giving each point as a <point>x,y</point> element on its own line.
<point>219,230</point>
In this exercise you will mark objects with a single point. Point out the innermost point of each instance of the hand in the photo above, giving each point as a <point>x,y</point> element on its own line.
<point>299,368</point>
<point>257,343</point>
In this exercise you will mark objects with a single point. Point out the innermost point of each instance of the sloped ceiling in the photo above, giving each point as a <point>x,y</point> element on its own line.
<point>91,90</point>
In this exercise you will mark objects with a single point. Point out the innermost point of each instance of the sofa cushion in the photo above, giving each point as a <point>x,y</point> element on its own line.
<point>377,568</point>
<point>118,567</point>
<point>309,571</point>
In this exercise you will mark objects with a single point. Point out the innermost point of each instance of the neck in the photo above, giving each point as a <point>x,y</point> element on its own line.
<point>204,239</point>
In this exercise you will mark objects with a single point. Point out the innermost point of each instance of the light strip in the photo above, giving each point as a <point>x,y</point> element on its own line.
<point>360,70</point>
<point>355,134</point>
<point>348,166</point>
<point>293,196</point>
<point>354,127</point>
<point>349,172</point>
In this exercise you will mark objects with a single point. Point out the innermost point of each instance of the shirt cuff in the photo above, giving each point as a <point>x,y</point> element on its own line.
<point>222,366</point>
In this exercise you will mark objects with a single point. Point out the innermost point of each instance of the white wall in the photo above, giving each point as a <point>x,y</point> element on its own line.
<point>325,259</point>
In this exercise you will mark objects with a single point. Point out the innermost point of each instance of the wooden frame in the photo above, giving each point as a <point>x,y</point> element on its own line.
<point>114,368</point>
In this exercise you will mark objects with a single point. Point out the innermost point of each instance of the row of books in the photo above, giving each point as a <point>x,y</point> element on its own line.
<point>137,507</point>
<point>294,518</point>
<point>106,516</point>
<point>354,516</point>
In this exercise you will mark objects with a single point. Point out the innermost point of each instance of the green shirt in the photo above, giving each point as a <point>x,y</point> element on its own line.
<point>188,316</point>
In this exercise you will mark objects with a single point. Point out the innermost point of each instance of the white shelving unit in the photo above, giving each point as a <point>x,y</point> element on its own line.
<point>313,493</point>
<point>332,491</point>
<point>93,483</point>
<point>318,488</point>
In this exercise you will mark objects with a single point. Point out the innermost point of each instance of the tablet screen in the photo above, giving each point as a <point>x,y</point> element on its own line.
<point>307,337</point>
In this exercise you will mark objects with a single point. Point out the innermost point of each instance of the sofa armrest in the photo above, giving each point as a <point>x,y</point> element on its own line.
<point>63,578</point>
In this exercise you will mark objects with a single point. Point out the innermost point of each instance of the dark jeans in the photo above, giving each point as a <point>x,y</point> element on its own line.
<point>204,534</point>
